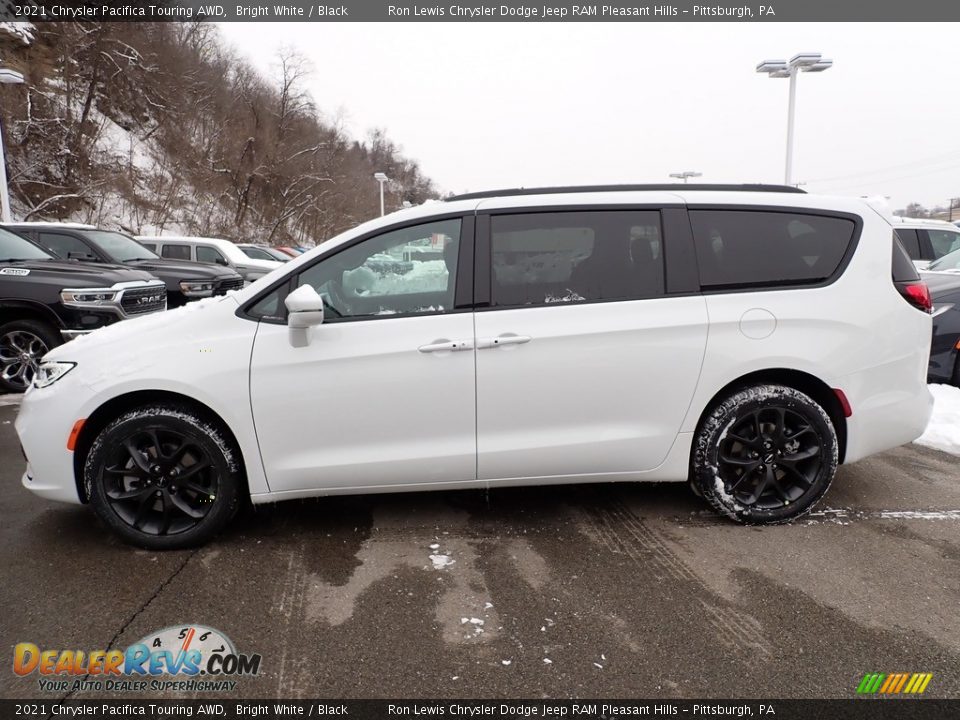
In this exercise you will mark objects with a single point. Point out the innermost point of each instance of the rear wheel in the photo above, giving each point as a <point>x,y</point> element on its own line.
<point>765,454</point>
<point>22,345</point>
<point>164,477</point>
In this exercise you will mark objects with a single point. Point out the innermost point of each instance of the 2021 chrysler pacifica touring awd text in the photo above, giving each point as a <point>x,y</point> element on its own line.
<point>745,339</point>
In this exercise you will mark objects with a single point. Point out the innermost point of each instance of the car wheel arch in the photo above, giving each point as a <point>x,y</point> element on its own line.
<point>116,406</point>
<point>806,383</point>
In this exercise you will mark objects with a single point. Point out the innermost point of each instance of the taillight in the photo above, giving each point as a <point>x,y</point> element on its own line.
<point>917,294</point>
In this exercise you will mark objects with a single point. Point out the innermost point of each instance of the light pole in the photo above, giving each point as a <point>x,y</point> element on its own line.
<point>685,175</point>
<point>381,178</point>
<point>7,77</point>
<point>801,62</point>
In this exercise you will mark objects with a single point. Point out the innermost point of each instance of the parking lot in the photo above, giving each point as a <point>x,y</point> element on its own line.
<point>583,591</point>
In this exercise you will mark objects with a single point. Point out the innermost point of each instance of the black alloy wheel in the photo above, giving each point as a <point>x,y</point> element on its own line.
<point>160,482</point>
<point>769,458</point>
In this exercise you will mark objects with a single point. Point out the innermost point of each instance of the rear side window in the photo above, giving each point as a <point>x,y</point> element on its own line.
<point>749,248</point>
<point>910,241</point>
<point>903,268</point>
<point>176,252</point>
<point>564,257</point>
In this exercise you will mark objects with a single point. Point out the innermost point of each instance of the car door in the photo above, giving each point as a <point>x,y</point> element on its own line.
<point>383,396</point>
<point>584,365</point>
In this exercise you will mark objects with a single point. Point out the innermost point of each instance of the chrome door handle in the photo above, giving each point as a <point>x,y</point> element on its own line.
<point>505,339</point>
<point>446,345</point>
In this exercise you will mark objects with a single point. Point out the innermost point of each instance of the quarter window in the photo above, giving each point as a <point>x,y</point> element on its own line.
<point>572,257</point>
<point>411,271</point>
<point>754,248</point>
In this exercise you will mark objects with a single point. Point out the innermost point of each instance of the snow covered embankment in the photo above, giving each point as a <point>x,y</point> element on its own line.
<point>943,432</point>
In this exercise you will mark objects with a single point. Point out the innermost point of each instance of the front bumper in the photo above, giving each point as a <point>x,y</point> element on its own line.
<point>43,425</point>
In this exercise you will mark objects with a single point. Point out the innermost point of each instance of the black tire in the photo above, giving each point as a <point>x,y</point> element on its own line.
<point>765,454</point>
<point>18,339</point>
<point>133,487</point>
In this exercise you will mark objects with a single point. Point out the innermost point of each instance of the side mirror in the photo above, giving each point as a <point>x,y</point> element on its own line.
<point>305,310</point>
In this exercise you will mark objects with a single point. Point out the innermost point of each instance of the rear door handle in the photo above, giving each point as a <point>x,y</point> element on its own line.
<point>505,339</point>
<point>444,345</point>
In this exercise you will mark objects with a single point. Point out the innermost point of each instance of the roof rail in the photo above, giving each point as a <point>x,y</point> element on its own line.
<point>755,187</point>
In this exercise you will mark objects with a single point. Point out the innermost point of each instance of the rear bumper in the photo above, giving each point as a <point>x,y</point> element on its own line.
<point>886,412</point>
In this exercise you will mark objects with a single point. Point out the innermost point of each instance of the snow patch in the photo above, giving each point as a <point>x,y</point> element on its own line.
<point>441,561</point>
<point>943,430</point>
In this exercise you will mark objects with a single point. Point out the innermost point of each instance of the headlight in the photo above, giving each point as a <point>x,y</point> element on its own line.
<point>196,288</point>
<point>940,309</point>
<point>87,298</point>
<point>49,372</point>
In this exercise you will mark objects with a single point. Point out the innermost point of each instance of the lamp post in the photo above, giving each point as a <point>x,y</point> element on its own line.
<point>381,178</point>
<point>7,77</point>
<point>685,175</point>
<point>801,62</point>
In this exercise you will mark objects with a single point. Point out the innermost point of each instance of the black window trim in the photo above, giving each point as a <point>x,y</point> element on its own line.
<point>484,269</point>
<point>463,295</point>
<point>786,210</point>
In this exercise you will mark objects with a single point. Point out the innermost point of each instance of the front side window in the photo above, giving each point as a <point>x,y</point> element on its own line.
<point>943,242</point>
<point>402,272</point>
<point>748,248</point>
<point>63,245</point>
<point>570,257</point>
<point>210,255</point>
<point>176,252</point>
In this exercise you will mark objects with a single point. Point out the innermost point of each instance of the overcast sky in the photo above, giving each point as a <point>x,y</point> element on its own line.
<point>491,105</point>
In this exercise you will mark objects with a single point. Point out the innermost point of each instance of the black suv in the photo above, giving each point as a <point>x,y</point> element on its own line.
<point>185,280</point>
<point>45,301</point>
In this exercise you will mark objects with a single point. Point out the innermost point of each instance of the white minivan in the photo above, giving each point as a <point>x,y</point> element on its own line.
<point>746,339</point>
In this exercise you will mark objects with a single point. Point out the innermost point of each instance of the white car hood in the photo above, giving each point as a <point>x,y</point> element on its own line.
<point>143,335</point>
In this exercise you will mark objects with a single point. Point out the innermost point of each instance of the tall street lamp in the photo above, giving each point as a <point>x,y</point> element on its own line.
<point>685,175</point>
<point>802,62</point>
<point>7,77</point>
<point>381,178</point>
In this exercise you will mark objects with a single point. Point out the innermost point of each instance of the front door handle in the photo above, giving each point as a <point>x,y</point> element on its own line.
<point>505,339</point>
<point>444,345</point>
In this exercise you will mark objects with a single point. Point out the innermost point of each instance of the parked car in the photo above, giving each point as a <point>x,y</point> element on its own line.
<point>210,250</point>
<point>45,301</point>
<point>263,252</point>
<point>945,345</point>
<point>926,240</point>
<point>745,340</point>
<point>185,281</point>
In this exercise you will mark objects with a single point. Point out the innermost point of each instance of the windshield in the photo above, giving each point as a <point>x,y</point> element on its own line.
<point>14,247</point>
<point>950,261</point>
<point>118,246</point>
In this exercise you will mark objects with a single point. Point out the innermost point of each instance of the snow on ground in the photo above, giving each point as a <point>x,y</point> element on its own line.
<point>943,432</point>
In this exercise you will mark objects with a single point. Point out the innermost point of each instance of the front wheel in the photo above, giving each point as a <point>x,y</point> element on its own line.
<point>23,343</point>
<point>163,477</point>
<point>765,454</point>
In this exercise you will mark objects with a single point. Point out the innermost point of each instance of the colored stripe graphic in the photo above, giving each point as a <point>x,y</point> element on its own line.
<point>894,683</point>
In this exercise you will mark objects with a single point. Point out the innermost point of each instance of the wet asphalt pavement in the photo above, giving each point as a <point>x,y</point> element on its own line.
<point>578,591</point>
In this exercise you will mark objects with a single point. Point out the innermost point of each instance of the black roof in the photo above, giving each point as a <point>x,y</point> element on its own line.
<point>755,187</point>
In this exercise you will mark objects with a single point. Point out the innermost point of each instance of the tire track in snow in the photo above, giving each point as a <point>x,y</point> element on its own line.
<point>622,532</point>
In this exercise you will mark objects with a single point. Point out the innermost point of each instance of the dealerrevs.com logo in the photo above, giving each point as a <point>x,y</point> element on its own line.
<point>180,657</point>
